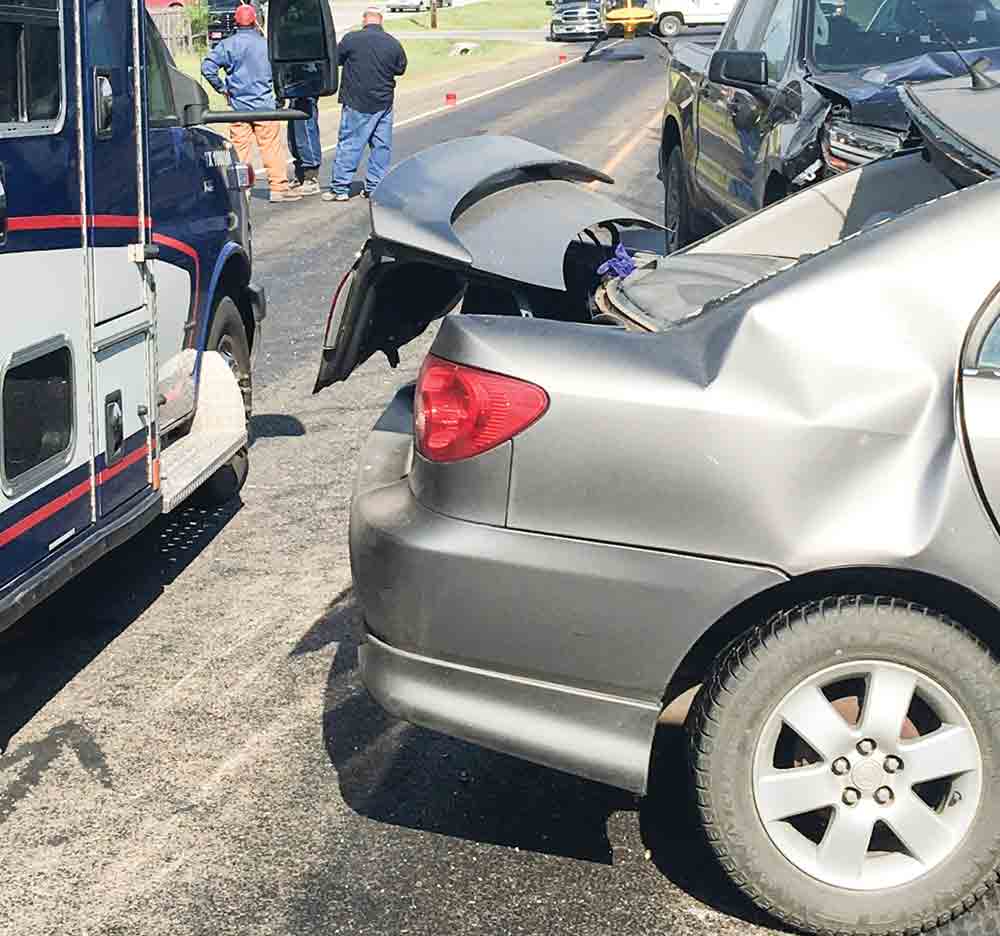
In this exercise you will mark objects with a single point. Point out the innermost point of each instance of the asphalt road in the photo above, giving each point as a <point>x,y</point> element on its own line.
<point>188,747</point>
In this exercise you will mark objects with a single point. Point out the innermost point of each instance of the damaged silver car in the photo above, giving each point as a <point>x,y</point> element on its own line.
<point>768,465</point>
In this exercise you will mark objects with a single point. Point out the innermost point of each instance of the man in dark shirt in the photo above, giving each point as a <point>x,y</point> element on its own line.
<point>372,60</point>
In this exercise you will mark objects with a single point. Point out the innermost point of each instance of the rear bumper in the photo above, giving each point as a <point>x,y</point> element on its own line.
<point>597,736</point>
<point>548,648</point>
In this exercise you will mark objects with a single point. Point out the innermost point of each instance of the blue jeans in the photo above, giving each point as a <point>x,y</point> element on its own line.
<point>356,131</point>
<point>303,137</point>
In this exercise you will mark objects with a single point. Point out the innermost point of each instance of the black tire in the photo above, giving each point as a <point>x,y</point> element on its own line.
<point>676,217</point>
<point>669,25</point>
<point>229,337</point>
<point>754,680</point>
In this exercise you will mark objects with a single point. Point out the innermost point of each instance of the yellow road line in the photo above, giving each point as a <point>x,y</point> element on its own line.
<point>628,148</point>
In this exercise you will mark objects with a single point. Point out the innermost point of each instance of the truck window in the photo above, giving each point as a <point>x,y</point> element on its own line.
<point>777,41</point>
<point>31,83</point>
<point>160,99</point>
<point>764,26</point>
<point>744,35</point>
<point>37,411</point>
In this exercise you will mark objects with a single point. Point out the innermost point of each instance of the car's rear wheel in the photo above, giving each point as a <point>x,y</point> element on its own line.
<point>675,202</point>
<point>846,764</point>
<point>669,25</point>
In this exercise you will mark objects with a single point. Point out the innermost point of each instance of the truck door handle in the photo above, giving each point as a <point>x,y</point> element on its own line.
<point>3,204</point>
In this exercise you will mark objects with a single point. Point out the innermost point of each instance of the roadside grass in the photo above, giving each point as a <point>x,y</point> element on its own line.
<point>490,14</point>
<point>429,61</point>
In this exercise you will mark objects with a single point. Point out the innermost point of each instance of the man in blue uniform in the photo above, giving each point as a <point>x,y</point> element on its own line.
<point>248,86</point>
<point>372,60</point>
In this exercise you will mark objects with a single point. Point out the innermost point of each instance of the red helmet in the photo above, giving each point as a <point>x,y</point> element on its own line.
<point>245,15</point>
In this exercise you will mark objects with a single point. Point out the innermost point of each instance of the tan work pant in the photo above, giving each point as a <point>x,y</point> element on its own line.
<point>272,151</point>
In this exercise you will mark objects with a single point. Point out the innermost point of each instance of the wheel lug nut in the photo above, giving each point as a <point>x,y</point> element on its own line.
<point>866,746</point>
<point>893,764</point>
<point>883,796</point>
<point>841,765</point>
<point>851,797</point>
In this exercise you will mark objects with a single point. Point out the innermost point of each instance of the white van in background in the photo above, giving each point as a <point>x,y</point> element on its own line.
<point>673,15</point>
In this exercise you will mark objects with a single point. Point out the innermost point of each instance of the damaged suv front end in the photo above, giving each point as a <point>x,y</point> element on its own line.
<point>858,61</point>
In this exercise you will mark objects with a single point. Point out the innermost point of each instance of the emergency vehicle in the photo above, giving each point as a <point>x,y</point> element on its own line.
<point>130,317</point>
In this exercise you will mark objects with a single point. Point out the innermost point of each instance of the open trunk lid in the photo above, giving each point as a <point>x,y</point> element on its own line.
<point>481,220</point>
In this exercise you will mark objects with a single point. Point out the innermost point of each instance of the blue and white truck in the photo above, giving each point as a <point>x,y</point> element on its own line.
<point>130,315</point>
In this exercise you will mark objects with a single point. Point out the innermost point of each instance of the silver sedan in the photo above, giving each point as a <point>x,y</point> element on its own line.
<point>768,466</point>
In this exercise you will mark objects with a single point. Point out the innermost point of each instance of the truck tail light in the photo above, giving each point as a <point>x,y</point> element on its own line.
<point>245,176</point>
<point>464,411</point>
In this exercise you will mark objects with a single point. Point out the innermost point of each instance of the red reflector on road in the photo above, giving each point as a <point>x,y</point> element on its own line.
<point>463,411</point>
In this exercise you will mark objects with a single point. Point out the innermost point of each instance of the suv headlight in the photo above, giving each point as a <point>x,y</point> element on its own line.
<point>846,144</point>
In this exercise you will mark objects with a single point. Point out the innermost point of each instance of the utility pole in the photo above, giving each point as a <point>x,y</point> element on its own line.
<point>434,14</point>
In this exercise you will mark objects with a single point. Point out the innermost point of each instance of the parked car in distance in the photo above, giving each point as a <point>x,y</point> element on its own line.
<point>672,16</point>
<point>791,93</point>
<point>575,19</point>
<point>767,465</point>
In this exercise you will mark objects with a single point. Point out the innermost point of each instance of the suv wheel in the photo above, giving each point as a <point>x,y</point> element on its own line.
<point>675,202</point>
<point>846,763</point>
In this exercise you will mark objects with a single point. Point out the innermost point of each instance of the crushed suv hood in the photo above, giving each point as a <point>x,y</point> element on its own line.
<point>872,93</point>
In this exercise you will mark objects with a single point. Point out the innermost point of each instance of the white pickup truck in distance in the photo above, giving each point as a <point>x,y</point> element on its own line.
<point>673,15</point>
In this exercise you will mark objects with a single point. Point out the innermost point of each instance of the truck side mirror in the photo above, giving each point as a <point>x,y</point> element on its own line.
<point>190,99</point>
<point>302,45</point>
<point>746,70</point>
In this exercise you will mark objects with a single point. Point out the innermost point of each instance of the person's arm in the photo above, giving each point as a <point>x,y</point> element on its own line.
<point>344,49</point>
<point>401,62</point>
<point>218,58</point>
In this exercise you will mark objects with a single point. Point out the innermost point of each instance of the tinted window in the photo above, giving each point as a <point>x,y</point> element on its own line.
<point>298,30</point>
<point>777,38</point>
<point>746,30</point>
<point>989,357</point>
<point>37,411</point>
<point>160,97</point>
<point>853,33</point>
<point>30,64</point>
<point>10,37</point>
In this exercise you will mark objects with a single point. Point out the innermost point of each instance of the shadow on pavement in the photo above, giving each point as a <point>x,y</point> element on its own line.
<point>670,830</point>
<point>61,637</point>
<point>395,773</point>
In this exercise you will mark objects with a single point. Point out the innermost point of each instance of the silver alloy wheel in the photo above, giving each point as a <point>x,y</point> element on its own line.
<point>861,826</point>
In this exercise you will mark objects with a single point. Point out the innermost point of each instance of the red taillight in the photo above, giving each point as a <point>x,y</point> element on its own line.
<point>251,176</point>
<point>463,411</point>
